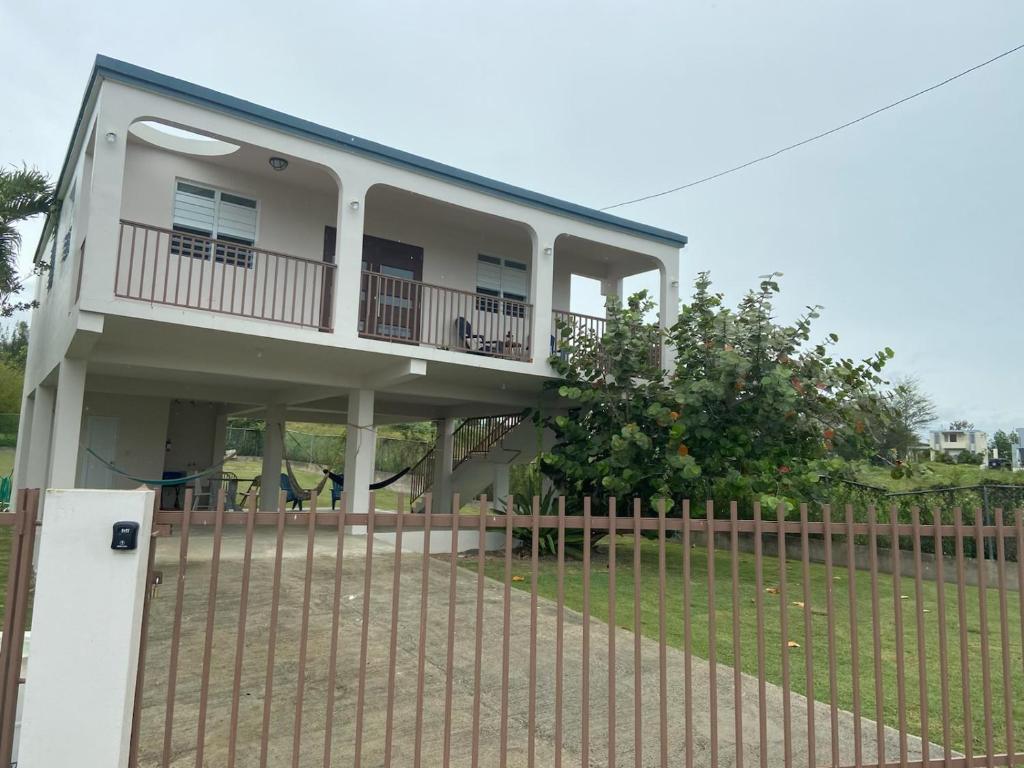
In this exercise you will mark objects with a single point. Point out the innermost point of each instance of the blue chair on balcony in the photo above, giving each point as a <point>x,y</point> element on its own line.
<point>474,342</point>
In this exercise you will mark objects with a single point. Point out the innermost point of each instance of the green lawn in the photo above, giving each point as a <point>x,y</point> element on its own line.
<point>248,468</point>
<point>818,643</point>
<point>933,473</point>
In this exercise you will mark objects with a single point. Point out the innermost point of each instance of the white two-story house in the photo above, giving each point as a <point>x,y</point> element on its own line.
<point>213,257</point>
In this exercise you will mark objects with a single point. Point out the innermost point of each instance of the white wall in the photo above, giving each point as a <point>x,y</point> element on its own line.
<point>291,218</point>
<point>190,429</point>
<point>141,434</point>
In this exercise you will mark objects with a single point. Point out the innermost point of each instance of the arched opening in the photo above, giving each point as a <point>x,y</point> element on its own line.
<point>226,226</point>
<point>586,273</point>
<point>441,275</point>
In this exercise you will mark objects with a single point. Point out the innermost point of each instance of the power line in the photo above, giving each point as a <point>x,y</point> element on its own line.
<point>822,135</point>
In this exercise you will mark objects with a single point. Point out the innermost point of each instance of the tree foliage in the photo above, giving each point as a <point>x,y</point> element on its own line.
<point>910,410</point>
<point>24,193</point>
<point>752,409</point>
<point>1003,442</point>
<point>961,424</point>
<point>14,345</point>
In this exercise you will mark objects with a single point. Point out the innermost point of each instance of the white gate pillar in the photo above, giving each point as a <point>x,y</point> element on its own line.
<point>86,629</point>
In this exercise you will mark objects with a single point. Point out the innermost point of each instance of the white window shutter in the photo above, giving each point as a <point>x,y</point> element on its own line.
<point>514,284</point>
<point>194,207</point>
<point>488,275</point>
<point>237,221</point>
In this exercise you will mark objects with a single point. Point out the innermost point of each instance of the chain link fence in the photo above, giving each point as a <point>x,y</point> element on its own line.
<point>393,453</point>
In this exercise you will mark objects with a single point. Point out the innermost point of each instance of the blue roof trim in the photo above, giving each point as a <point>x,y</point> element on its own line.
<point>131,74</point>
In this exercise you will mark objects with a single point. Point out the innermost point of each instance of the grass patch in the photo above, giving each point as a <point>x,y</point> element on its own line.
<point>818,641</point>
<point>248,468</point>
<point>933,473</point>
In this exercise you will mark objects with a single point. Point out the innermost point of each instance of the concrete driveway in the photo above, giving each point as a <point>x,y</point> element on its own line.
<point>311,735</point>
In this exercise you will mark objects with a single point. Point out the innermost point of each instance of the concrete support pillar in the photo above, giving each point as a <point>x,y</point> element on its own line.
<point>501,486</point>
<point>668,306</point>
<point>106,188</point>
<point>442,486</point>
<point>220,435</point>
<point>24,442</point>
<point>349,257</point>
<point>360,449</point>
<point>273,455</point>
<point>37,471</point>
<point>542,276</point>
<point>86,629</point>
<point>67,423</point>
<point>614,286</point>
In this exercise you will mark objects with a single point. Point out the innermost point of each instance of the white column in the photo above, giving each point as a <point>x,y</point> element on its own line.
<point>273,455</point>
<point>86,628</point>
<point>614,286</point>
<point>24,443</point>
<point>501,485</point>
<point>668,306</point>
<point>349,258</point>
<point>220,434</point>
<point>104,203</point>
<point>441,489</point>
<point>67,423</point>
<point>360,449</point>
<point>542,277</point>
<point>37,472</point>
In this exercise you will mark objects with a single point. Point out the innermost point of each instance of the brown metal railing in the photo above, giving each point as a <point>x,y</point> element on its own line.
<point>474,437</point>
<point>162,266</point>
<point>411,312</point>
<point>837,641</point>
<point>477,436</point>
<point>580,327</point>
<point>20,528</point>
<point>421,475</point>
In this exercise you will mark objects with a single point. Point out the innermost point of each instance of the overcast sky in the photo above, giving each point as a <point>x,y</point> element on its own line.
<point>908,228</point>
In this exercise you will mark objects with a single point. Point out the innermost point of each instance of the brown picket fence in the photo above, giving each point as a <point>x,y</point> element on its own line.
<point>828,637</point>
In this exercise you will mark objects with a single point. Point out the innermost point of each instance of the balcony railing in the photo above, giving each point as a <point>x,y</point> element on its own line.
<point>410,312</point>
<point>582,326</point>
<point>179,269</point>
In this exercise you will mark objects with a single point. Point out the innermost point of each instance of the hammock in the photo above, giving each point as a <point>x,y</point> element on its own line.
<point>297,489</point>
<point>147,481</point>
<point>340,479</point>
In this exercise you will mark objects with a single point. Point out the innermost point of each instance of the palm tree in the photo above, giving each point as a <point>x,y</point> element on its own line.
<point>24,193</point>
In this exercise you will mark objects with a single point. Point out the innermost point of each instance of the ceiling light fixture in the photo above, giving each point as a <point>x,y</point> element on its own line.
<point>278,163</point>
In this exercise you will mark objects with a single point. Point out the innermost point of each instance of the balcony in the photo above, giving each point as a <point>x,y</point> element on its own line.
<point>162,266</point>
<point>412,312</point>
<point>179,269</point>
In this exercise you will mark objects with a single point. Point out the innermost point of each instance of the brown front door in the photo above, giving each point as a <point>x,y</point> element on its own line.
<point>390,294</point>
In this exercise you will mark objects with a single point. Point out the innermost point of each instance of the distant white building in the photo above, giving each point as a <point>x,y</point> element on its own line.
<point>1017,451</point>
<point>953,442</point>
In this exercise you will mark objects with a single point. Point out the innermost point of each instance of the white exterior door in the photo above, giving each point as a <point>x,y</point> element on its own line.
<point>101,437</point>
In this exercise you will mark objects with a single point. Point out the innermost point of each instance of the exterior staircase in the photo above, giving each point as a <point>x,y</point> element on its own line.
<point>501,439</point>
